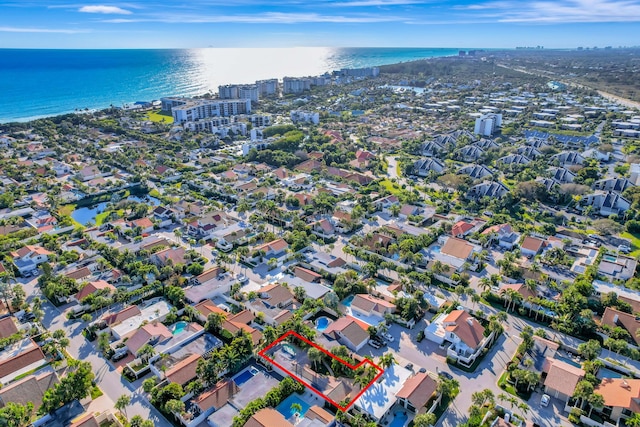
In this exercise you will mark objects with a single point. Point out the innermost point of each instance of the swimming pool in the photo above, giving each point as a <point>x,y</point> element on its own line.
<point>245,376</point>
<point>289,349</point>
<point>178,327</point>
<point>608,373</point>
<point>347,301</point>
<point>399,419</point>
<point>435,249</point>
<point>285,406</point>
<point>569,361</point>
<point>322,323</point>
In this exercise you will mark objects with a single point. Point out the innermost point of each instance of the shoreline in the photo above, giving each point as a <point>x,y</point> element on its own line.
<point>103,106</point>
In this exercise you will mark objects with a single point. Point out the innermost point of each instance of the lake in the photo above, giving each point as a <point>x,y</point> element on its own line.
<point>88,214</point>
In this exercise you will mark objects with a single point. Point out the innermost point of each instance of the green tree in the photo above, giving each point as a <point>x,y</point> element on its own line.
<point>122,403</point>
<point>16,415</point>
<point>424,420</point>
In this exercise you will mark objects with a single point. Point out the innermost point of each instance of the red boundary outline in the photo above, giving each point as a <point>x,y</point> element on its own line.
<point>262,353</point>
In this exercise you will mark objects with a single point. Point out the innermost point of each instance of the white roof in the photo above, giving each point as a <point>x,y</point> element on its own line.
<point>381,396</point>
<point>151,312</point>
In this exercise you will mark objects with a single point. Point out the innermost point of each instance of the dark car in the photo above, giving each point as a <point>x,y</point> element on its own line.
<point>446,375</point>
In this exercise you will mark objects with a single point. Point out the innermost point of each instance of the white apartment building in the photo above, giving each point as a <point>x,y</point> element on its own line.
<point>305,116</point>
<point>267,87</point>
<point>295,84</point>
<point>488,124</point>
<point>199,109</point>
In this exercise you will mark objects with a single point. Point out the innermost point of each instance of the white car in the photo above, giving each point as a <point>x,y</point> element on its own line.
<point>544,402</point>
<point>242,278</point>
<point>387,336</point>
<point>374,344</point>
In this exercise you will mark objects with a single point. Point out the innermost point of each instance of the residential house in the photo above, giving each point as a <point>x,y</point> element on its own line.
<point>377,401</point>
<point>431,148</point>
<point>307,275</point>
<point>562,175</point>
<point>503,234</point>
<point>475,171</point>
<point>529,151</point>
<point>91,288</point>
<point>27,258</point>
<point>371,309</point>
<point>621,398</point>
<point>465,227</point>
<point>567,158</point>
<point>617,267</point>
<point>164,216</point>
<point>275,302</point>
<point>491,189</point>
<point>594,153</point>
<point>209,284</point>
<point>486,144</point>
<point>417,391</point>
<point>616,185</point>
<point>342,221</point>
<point>323,228</point>
<point>384,203</point>
<point>89,172</point>
<point>531,246</point>
<point>606,203</point>
<point>363,159</point>
<point>514,159</point>
<point>348,331</point>
<point>471,153</point>
<point>268,417</point>
<point>521,289</point>
<point>183,371</point>
<point>145,225</point>
<point>458,248</point>
<point>170,257</point>
<point>19,358</point>
<point>466,335</point>
<point>212,400</point>
<point>317,417</point>
<point>151,333</point>
<point>233,323</point>
<point>562,379</point>
<point>29,389</point>
<point>424,167</point>
<point>8,326</point>
<point>274,249</point>
<point>127,321</point>
<point>629,322</point>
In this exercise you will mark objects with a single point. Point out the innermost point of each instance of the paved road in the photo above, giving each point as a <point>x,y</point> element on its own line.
<point>108,379</point>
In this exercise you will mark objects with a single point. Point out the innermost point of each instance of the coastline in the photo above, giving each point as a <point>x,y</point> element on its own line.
<point>173,78</point>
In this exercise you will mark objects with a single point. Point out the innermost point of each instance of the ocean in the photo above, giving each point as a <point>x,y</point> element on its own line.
<point>39,83</point>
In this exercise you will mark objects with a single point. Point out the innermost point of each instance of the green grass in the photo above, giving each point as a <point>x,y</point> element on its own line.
<point>67,209</point>
<point>391,187</point>
<point>155,116</point>
<point>635,243</point>
<point>510,388</point>
<point>96,392</point>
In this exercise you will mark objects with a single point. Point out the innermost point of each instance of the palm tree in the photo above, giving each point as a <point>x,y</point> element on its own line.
<point>214,321</point>
<point>232,358</point>
<point>122,403</point>
<point>146,352</point>
<point>387,360</point>
<point>314,355</point>
<point>634,421</point>
<point>424,420</point>
<point>596,401</point>
<point>296,408</point>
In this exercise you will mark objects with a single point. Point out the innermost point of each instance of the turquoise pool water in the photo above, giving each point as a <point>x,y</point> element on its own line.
<point>435,249</point>
<point>289,349</point>
<point>322,323</point>
<point>569,361</point>
<point>285,406</point>
<point>608,373</point>
<point>347,301</point>
<point>179,327</point>
<point>399,419</point>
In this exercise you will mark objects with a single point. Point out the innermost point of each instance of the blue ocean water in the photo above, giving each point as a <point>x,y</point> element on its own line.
<point>37,83</point>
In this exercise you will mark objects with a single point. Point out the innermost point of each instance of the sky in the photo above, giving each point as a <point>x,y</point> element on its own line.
<point>327,23</point>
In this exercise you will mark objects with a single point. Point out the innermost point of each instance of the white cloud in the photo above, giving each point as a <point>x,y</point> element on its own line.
<point>559,12</point>
<point>111,10</point>
<point>40,30</point>
<point>264,18</point>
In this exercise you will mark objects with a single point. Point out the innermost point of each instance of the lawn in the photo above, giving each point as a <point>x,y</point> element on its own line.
<point>67,209</point>
<point>96,392</point>
<point>391,187</point>
<point>156,116</point>
<point>635,243</point>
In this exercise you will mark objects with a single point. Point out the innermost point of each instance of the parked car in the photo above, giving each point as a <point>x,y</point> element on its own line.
<point>387,336</point>
<point>409,366</point>
<point>119,354</point>
<point>446,375</point>
<point>624,248</point>
<point>423,370</point>
<point>242,278</point>
<point>544,402</point>
<point>374,344</point>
